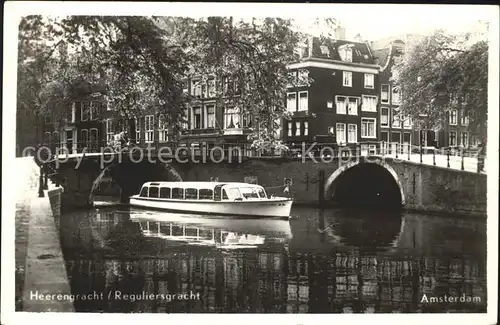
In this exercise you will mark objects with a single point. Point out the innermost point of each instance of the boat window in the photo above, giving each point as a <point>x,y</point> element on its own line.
<point>144,191</point>
<point>262,193</point>
<point>177,193</point>
<point>249,192</point>
<point>218,192</point>
<point>224,195</point>
<point>206,194</point>
<point>191,194</point>
<point>153,191</point>
<point>234,193</point>
<point>165,192</point>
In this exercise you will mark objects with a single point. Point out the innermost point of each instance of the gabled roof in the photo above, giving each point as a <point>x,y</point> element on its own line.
<point>381,56</point>
<point>361,52</point>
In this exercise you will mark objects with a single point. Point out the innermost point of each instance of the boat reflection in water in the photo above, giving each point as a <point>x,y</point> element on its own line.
<point>320,261</point>
<point>222,233</point>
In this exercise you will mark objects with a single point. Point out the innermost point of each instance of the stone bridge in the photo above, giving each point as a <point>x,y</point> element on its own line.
<point>383,180</point>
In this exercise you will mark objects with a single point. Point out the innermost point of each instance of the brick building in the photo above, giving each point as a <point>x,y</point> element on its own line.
<point>341,102</point>
<point>396,130</point>
<point>454,131</point>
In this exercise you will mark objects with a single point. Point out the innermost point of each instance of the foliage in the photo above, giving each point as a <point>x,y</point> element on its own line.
<point>140,63</point>
<point>248,61</point>
<point>442,72</point>
<point>127,60</point>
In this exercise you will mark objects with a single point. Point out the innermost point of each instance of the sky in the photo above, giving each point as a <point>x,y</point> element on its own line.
<point>375,22</point>
<point>372,21</point>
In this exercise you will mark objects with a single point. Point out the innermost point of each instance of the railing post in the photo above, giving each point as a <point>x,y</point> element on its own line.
<point>45,177</point>
<point>462,163</point>
<point>397,150</point>
<point>434,157</point>
<point>421,160</point>
<point>40,184</point>
<point>448,158</point>
<point>409,151</point>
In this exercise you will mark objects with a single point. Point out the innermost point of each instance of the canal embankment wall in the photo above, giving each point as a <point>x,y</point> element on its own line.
<point>46,283</point>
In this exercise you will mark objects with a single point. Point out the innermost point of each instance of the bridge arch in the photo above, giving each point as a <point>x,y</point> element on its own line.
<point>385,171</point>
<point>127,178</point>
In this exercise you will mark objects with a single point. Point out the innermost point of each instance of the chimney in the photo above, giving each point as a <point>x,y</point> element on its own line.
<point>310,46</point>
<point>340,33</point>
<point>358,38</point>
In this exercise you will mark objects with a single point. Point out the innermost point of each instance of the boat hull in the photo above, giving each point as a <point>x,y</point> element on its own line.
<point>274,207</point>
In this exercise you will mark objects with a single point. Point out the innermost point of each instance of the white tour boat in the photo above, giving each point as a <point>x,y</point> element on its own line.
<point>219,198</point>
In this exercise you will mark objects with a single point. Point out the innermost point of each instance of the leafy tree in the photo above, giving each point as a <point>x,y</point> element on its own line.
<point>141,63</point>
<point>248,61</point>
<point>442,72</point>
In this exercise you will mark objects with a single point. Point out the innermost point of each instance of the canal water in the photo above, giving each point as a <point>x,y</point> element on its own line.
<point>319,261</point>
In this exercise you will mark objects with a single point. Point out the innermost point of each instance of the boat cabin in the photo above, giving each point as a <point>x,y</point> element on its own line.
<point>208,191</point>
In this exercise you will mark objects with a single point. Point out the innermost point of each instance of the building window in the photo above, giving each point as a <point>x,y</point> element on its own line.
<point>162,129</point>
<point>137,130</point>
<point>341,103</point>
<point>297,128</point>
<point>85,111</point>
<point>71,112</point>
<point>291,102</point>
<point>46,137</point>
<point>210,116</point>
<point>232,118</point>
<point>95,108</point>
<point>369,80</point>
<point>346,53</point>
<point>196,122</point>
<point>368,128</point>
<point>396,96</point>
<point>303,101</point>
<point>369,103</point>
<point>211,88</point>
<point>453,138</point>
<point>303,77</point>
<point>196,88</point>
<point>109,130</point>
<point>352,133</point>
<point>384,93</point>
<point>84,134</point>
<point>340,132</point>
<point>329,104</point>
<point>465,139</point>
<point>384,116</point>
<point>453,117</point>
<point>94,138</point>
<point>347,79</point>
<point>352,108</point>
<point>407,123</point>
<point>306,128</point>
<point>289,129</point>
<point>464,119</point>
<point>247,120</point>
<point>185,119</point>
<point>396,120</point>
<point>149,128</point>
<point>473,140</point>
<point>292,78</point>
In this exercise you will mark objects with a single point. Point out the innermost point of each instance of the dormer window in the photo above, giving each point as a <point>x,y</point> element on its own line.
<point>324,50</point>
<point>345,52</point>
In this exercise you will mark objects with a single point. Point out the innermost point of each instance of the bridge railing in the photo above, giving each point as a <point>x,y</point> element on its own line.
<point>470,159</point>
